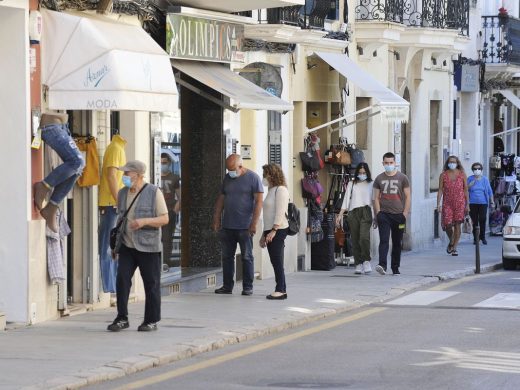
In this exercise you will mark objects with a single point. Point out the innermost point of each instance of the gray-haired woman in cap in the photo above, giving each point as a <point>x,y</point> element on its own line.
<point>142,211</point>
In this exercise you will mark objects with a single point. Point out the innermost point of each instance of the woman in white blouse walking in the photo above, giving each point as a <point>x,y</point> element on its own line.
<point>358,204</point>
<point>275,224</point>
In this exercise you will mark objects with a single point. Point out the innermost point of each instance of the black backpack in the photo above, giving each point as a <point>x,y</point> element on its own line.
<point>293,217</point>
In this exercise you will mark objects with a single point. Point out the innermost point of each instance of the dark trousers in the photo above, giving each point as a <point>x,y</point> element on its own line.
<point>150,267</point>
<point>229,239</point>
<point>390,224</point>
<point>359,223</point>
<point>275,249</point>
<point>478,214</point>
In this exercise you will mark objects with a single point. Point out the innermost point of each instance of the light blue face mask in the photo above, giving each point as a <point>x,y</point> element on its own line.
<point>233,174</point>
<point>389,168</point>
<point>165,169</point>
<point>362,177</point>
<point>452,165</point>
<point>127,181</point>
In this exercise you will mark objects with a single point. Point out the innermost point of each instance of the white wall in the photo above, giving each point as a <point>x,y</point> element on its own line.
<point>15,158</point>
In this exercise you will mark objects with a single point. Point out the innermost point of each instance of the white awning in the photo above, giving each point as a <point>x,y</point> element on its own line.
<point>89,64</point>
<point>393,107</point>
<point>510,95</point>
<point>238,5</point>
<point>243,93</point>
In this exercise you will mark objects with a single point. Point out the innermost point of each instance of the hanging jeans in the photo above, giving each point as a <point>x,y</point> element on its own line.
<point>229,239</point>
<point>108,266</point>
<point>63,177</point>
<point>275,249</point>
<point>390,223</point>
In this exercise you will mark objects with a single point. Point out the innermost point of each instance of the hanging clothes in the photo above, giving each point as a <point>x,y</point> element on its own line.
<point>55,250</point>
<point>88,147</point>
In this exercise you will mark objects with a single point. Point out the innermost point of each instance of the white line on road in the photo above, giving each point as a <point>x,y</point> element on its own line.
<point>423,298</point>
<point>502,300</point>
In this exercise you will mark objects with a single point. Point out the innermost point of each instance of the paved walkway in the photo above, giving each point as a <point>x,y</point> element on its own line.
<point>75,351</point>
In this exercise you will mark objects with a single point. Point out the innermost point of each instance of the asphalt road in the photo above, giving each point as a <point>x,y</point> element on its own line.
<point>463,334</point>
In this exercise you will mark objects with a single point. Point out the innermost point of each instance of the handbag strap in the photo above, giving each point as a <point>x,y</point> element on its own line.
<point>131,204</point>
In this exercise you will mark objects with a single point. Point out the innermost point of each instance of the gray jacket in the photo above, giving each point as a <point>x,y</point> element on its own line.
<point>146,239</point>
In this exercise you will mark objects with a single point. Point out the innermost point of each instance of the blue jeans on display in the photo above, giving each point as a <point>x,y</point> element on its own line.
<point>63,177</point>
<point>230,238</point>
<point>275,249</point>
<point>108,266</point>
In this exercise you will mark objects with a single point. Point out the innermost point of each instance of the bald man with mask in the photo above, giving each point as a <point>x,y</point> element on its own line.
<point>237,210</point>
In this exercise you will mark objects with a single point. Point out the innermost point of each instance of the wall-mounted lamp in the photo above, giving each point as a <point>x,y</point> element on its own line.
<point>374,54</point>
<point>434,61</point>
<point>360,50</point>
<point>396,54</point>
<point>444,63</point>
<point>311,66</point>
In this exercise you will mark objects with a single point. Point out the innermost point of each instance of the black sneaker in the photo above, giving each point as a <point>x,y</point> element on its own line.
<point>118,324</point>
<point>147,327</point>
<point>223,290</point>
<point>247,292</point>
<point>396,271</point>
<point>483,241</point>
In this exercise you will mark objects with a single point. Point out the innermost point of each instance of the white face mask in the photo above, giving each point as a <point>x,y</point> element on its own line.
<point>265,182</point>
<point>477,172</point>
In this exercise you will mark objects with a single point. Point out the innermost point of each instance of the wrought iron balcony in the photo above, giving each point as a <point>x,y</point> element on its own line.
<point>442,14</point>
<point>501,40</point>
<point>312,15</point>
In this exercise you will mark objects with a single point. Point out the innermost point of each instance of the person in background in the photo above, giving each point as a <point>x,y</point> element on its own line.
<point>171,188</point>
<point>358,205</point>
<point>453,191</point>
<point>275,224</point>
<point>480,196</point>
<point>392,201</point>
<point>141,245</point>
<point>111,183</point>
<point>240,199</point>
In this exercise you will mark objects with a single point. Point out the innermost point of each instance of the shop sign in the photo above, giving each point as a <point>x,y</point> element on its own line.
<point>467,77</point>
<point>193,38</point>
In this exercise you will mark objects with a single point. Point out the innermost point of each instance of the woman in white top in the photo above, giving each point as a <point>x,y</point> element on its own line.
<point>275,224</point>
<point>358,204</point>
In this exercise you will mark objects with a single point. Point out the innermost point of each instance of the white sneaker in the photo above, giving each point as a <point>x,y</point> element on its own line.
<point>367,267</point>
<point>380,270</point>
<point>359,269</point>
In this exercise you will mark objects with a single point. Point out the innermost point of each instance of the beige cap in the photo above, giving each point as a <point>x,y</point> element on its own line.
<point>134,166</point>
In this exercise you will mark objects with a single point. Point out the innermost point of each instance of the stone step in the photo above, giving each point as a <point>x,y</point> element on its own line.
<point>178,279</point>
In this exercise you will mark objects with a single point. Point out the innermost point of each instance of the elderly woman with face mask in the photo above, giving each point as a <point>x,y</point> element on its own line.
<point>453,191</point>
<point>480,196</point>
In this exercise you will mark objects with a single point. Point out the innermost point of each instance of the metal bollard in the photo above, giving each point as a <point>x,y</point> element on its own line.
<point>476,236</point>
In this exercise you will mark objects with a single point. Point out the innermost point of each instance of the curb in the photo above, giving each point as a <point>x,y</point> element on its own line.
<point>146,360</point>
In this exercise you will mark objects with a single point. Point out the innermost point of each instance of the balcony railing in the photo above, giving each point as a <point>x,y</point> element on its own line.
<point>312,15</point>
<point>501,40</point>
<point>442,14</point>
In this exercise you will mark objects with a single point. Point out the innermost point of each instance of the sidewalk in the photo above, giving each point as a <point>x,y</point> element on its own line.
<point>75,351</point>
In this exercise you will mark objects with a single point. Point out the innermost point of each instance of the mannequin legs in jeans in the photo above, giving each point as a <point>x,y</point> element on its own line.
<point>61,180</point>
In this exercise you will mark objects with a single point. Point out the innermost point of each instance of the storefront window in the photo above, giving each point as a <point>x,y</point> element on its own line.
<point>166,134</point>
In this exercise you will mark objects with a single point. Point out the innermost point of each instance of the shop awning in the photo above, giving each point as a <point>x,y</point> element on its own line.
<point>510,95</point>
<point>243,93</point>
<point>393,107</point>
<point>92,64</point>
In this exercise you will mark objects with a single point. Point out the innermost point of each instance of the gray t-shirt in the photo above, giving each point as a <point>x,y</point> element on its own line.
<point>239,199</point>
<point>391,192</point>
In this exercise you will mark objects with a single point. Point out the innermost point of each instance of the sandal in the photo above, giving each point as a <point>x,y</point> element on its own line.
<point>449,249</point>
<point>454,253</point>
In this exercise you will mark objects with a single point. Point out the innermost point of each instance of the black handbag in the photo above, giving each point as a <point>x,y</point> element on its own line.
<point>310,161</point>
<point>115,232</point>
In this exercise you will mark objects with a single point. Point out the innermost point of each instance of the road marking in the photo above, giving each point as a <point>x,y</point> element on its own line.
<point>502,300</point>
<point>333,301</point>
<point>466,279</point>
<point>423,298</point>
<point>249,350</point>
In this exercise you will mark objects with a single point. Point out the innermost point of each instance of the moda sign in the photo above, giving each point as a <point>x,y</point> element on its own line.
<point>203,39</point>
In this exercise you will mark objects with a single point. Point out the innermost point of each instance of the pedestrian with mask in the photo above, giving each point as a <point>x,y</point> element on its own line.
<point>144,209</point>
<point>480,196</point>
<point>392,201</point>
<point>276,226</point>
<point>237,210</point>
<point>358,205</point>
<point>453,191</point>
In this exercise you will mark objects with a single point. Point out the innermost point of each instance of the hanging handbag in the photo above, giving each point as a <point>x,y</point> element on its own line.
<point>311,187</point>
<point>115,233</point>
<point>467,226</point>
<point>339,236</point>
<point>356,156</point>
<point>310,161</point>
